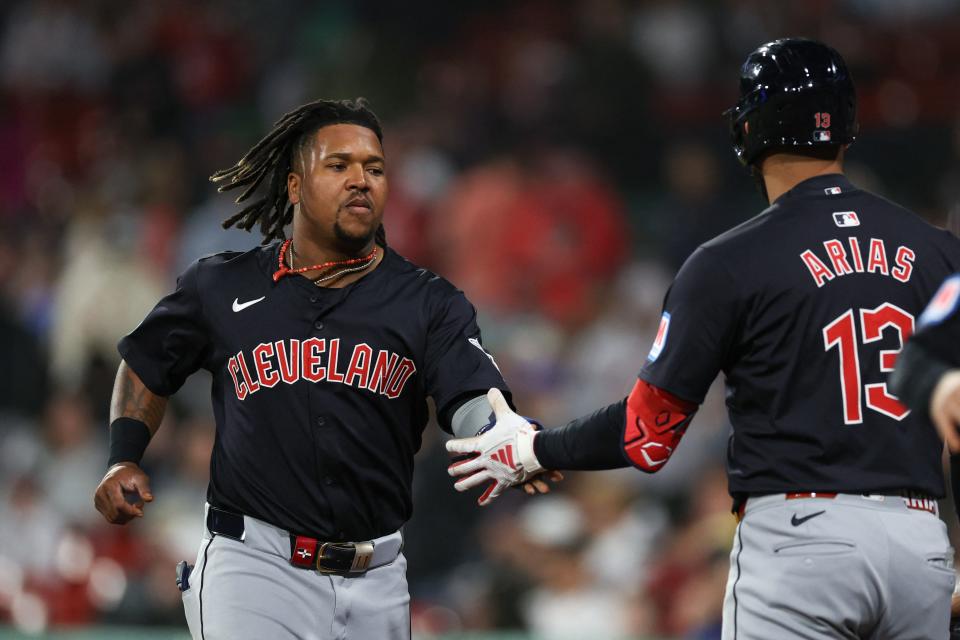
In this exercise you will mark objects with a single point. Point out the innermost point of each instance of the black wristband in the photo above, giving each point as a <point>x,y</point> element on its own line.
<point>129,438</point>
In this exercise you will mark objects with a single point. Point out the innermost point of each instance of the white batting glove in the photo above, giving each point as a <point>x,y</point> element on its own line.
<point>504,453</point>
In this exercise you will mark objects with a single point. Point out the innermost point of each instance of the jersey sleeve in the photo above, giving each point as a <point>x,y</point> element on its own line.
<point>697,329</point>
<point>173,341</point>
<point>456,362</point>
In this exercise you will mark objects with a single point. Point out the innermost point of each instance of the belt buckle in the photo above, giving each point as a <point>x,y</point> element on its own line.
<point>362,555</point>
<point>321,555</point>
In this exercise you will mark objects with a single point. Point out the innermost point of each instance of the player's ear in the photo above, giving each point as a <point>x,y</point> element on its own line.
<point>293,187</point>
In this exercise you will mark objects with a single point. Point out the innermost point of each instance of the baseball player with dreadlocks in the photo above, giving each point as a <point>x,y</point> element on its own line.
<point>804,308</point>
<point>323,349</point>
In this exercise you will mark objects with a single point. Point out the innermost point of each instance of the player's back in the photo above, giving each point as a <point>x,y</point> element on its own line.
<point>829,281</point>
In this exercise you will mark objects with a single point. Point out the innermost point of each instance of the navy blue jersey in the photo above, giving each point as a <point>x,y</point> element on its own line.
<point>804,308</point>
<point>319,394</point>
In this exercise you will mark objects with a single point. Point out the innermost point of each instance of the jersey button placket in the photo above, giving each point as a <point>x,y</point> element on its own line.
<point>318,325</point>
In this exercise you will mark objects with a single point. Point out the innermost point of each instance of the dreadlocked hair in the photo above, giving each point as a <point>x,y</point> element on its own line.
<point>271,160</point>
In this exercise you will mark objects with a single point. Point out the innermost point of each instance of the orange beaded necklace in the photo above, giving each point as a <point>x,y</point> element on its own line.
<point>284,270</point>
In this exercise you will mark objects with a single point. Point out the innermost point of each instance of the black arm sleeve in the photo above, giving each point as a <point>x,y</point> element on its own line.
<point>590,443</point>
<point>916,374</point>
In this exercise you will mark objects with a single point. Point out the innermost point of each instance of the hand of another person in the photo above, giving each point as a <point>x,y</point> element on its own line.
<point>945,409</point>
<point>503,455</point>
<point>121,495</point>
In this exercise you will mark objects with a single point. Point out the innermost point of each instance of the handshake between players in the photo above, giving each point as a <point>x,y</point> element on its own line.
<point>502,453</point>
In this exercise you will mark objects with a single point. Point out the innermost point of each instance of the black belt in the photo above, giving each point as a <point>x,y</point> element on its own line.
<point>911,499</point>
<point>305,552</point>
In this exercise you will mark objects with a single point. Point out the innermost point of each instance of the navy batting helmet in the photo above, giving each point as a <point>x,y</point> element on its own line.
<point>794,93</point>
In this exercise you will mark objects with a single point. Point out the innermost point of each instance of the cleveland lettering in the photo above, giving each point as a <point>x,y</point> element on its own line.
<point>319,360</point>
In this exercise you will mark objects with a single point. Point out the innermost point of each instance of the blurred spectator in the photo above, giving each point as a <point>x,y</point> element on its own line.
<point>675,41</point>
<point>103,292</point>
<point>623,529</point>
<point>567,601</point>
<point>24,387</point>
<point>695,208</point>
<point>51,45</point>
<point>74,460</point>
<point>686,584</point>
<point>556,223</point>
<point>181,493</point>
<point>29,528</point>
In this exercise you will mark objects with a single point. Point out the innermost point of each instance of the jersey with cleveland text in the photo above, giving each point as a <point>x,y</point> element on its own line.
<point>804,308</point>
<point>319,394</point>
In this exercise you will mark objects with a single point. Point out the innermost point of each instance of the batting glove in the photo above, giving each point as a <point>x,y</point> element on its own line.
<point>503,454</point>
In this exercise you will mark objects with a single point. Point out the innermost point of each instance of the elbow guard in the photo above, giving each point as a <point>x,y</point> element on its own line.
<point>656,420</point>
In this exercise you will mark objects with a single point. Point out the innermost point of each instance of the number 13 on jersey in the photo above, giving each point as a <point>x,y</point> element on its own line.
<point>841,334</point>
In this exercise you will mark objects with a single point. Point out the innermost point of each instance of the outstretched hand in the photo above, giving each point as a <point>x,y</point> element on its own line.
<point>945,409</point>
<point>121,495</point>
<point>502,455</point>
<point>538,484</point>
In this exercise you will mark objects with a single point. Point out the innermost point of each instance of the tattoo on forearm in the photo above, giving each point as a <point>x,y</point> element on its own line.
<point>132,399</point>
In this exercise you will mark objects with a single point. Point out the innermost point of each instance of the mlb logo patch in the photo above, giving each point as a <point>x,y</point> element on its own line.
<point>661,340</point>
<point>846,219</point>
<point>944,302</point>
<point>821,136</point>
<point>832,191</point>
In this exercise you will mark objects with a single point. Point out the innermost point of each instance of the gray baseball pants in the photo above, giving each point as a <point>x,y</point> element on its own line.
<point>850,567</point>
<point>249,591</point>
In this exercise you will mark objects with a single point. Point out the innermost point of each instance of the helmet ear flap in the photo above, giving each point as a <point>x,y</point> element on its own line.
<point>738,130</point>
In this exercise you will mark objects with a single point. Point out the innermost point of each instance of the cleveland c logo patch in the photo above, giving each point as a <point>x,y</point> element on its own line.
<point>661,340</point>
<point>943,303</point>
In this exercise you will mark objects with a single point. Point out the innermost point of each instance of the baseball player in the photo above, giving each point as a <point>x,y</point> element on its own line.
<point>927,379</point>
<point>323,349</point>
<point>804,308</point>
<point>927,376</point>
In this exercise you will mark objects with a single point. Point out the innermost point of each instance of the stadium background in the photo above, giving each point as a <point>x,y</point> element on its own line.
<point>556,160</point>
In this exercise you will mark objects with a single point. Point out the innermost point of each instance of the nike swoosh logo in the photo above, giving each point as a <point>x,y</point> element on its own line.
<point>795,521</point>
<point>240,306</point>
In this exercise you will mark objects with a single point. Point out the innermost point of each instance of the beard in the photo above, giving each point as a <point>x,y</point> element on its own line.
<point>351,241</point>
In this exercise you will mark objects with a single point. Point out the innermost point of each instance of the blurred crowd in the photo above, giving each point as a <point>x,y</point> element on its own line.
<point>556,161</point>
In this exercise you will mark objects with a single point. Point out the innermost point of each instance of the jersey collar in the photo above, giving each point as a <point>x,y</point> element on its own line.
<point>304,285</point>
<point>830,185</point>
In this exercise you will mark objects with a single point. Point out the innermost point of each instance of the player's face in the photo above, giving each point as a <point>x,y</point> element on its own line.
<point>340,184</point>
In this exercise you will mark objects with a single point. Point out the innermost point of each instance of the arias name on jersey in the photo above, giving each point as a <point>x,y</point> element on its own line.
<point>868,256</point>
<point>316,360</point>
